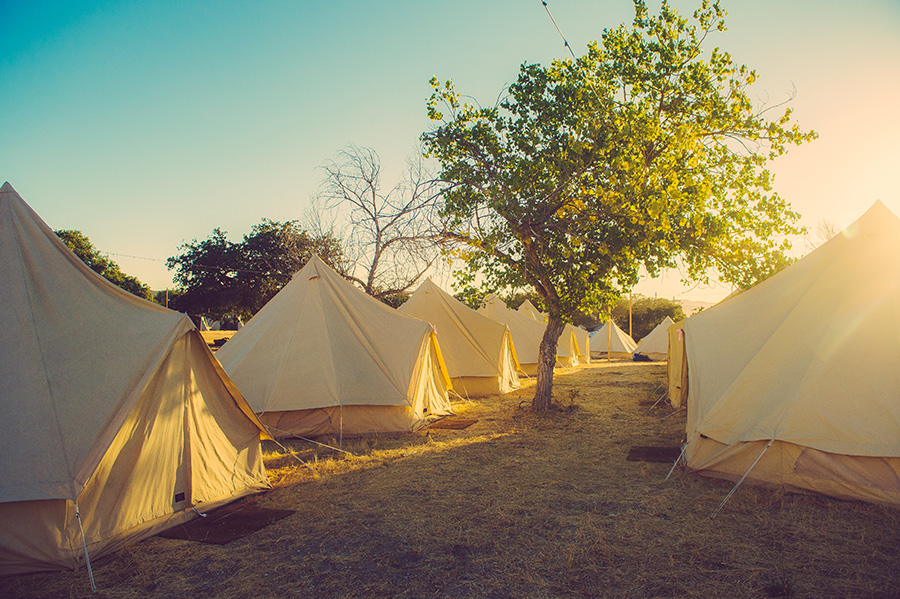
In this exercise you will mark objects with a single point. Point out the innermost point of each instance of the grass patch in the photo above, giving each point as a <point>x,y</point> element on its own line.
<point>517,505</point>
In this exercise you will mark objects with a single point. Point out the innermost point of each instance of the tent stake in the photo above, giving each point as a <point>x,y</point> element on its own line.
<point>307,439</point>
<point>296,457</point>
<point>87,558</point>
<point>730,493</point>
<point>656,403</point>
<point>678,459</point>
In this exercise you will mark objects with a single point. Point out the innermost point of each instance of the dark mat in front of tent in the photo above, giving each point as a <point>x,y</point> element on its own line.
<point>226,524</point>
<point>644,453</point>
<point>453,423</point>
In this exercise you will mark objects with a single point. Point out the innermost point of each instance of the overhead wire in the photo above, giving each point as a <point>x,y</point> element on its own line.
<point>558,30</point>
<point>200,266</point>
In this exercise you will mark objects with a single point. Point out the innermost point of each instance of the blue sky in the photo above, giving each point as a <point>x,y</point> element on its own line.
<point>147,124</point>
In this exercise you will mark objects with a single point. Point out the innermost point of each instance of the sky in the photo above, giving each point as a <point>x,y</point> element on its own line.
<point>145,125</point>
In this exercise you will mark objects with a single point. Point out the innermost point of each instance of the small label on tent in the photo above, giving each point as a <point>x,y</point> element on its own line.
<point>179,497</point>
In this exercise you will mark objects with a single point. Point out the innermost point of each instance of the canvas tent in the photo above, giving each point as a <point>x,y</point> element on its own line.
<point>676,369</point>
<point>583,338</point>
<point>322,357</point>
<point>567,351</point>
<point>528,309</point>
<point>794,383</point>
<point>478,351</point>
<point>656,344</point>
<point>116,419</point>
<point>613,344</point>
<point>582,351</point>
<point>527,335</point>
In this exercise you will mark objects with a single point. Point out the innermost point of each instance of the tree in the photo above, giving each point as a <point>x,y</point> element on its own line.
<point>640,152</point>
<point>82,247</point>
<point>219,278</point>
<point>824,231</point>
<point>470,296</point>
<point>646,313</point>
<point>389,239</point>
<point>166,297</point>
<point>272,253</point>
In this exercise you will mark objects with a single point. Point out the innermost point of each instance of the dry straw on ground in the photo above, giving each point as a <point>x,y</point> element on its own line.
<point>518,506</point>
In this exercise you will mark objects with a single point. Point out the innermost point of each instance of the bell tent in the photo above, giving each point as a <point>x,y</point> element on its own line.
<point>117,421</point>
<point>794,383</point>
<point>655,345</point>
<point>478,351</point>
<point>676,368</point>
<point>567,351</point>
<point>529,310</point>
<point>612,344</point>
<point>322,357</point>
<point>583,338</point>
<point>527,335</point>
<point>582,351</point>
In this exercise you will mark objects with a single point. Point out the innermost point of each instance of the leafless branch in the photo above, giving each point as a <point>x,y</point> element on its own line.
<point>392,237</point>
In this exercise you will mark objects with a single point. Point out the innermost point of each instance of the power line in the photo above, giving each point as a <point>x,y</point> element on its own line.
<point>193,265</point>
<point>558,30</point>
<point>135,257</point>
<point>590,82</point>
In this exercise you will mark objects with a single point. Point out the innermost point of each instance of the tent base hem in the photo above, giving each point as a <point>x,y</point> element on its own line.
<point>349,421</point>
<point>794,468</point>
<point>480,386</point>
<point>13,562</point>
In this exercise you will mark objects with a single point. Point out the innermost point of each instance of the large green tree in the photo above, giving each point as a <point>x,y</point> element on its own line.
<point>643,152</point>
<point>82,247</point>
<point>218,278</point>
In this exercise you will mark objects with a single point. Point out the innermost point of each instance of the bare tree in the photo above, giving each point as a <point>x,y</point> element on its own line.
<point>390,239</point>
<point>824,231</point>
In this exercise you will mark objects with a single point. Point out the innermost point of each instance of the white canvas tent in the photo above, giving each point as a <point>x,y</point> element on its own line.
<point>583,338</point>
<point>613,344</point>
<point>116,419</point>
<point>656,344</point>
<point>529,310</point>
<point>567,352</point>
<point>527,335</point>
<point>676,369</point>
<point>322,357</point>
<point>582,349</point>
<point>478,351</point>
<point>794,383</point>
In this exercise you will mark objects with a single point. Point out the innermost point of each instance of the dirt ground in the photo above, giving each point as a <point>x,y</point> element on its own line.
<point>517,506</point>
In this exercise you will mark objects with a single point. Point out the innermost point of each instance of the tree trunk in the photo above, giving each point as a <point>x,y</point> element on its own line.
<point>543,389</point>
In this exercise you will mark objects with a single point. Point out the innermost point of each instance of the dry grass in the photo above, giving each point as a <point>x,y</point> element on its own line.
<point>518,506</point>
<point>214,339</point>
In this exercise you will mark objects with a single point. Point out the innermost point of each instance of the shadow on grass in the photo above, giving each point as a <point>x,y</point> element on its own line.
<point>517,505</point>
